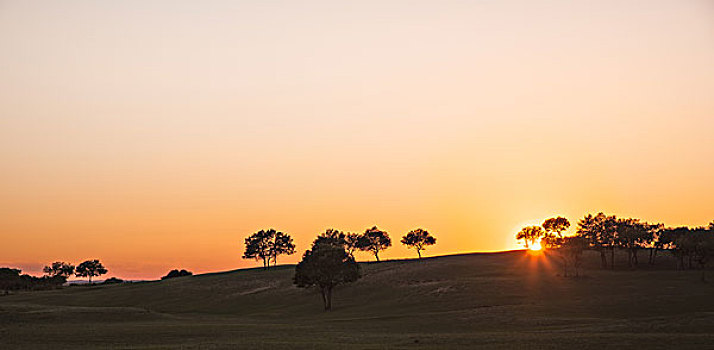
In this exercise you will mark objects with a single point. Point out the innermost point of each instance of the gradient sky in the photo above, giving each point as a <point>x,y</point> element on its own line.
<point>158,134</point>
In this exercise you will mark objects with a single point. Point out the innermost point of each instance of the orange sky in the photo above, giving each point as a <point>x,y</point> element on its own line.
<point>156,135</point>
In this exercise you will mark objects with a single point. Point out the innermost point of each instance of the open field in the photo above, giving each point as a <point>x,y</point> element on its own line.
<point>498,300</point>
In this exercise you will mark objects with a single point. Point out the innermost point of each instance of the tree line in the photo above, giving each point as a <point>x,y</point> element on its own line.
<point>692,247</point>
<point>267,245</point>
<point>330,260</point>
<point>56,275</point>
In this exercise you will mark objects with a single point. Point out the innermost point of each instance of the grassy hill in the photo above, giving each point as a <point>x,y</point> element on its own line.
<point>496,300</point>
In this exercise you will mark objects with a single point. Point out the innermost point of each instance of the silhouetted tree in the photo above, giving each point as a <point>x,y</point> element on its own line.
<point>703,250</point>
<point>266,245</point>
<point>326,266</point>
<point>282,244</point>
<point>113,280</point>
<point>10,279</point>
<point>90,268</point>
<point>59,268</point>
<point>632,235</point>
<point>349,241</point>
<point>601,232</point>
<point>177,273</point>
<point>418,239</point>
<point>553,231</point>
<point>530,235</point>
<point>573,248</point>
<point>375,241</point>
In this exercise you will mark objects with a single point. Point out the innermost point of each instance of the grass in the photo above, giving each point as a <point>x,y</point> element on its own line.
<point>497,300</point>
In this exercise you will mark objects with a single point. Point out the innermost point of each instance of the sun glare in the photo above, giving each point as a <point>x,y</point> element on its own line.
<point>535,247</point>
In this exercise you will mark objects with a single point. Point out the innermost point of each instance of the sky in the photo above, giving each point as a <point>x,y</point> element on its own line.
<point>155,135</point>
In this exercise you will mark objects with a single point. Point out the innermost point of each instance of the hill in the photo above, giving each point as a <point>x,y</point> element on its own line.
<point>494,300</point>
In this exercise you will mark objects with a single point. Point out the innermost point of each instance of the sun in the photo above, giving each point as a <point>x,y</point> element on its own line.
<point>535,246</point>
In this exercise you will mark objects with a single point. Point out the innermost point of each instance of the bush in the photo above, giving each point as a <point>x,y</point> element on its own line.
<point>113,280</point>
<point>177,273</point>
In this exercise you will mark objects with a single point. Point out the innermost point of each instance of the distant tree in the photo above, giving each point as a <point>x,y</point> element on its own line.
<point>282,244</point>
<point>703,247</point>
<point>600,231</point>
<point>90,268</point>
<point>654,235</point>
<point>632,235</point>
<point>326,266</point>
<point>374,240</point>
<point>177,273</point>
<point>349,241</point>
<point>418,239</point>
<point>553,231</point>
<point>10,279</point>
<point>530,235</point>
<point>59,268</point>
<point>573,248</point>
<point>683,245</point>
<point>113,280</point>
<point>352,242</point>
<point>266,245</point>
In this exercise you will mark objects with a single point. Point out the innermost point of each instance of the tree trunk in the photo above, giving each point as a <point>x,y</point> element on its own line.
<point>603,259</point>
<point>90,279</point>
<point>329,299</point>
<point>704,270</point>
<point>419,253</point>
<point>376,255</point>
<point>324,298</point>
<point>634,257</point>
<point>612,258</point>
<point>690,261</point>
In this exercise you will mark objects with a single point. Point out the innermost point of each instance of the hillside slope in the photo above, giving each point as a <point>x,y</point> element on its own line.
<point>497,300</point>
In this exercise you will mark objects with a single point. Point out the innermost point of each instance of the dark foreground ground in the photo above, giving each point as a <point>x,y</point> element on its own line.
<point>501,300</point>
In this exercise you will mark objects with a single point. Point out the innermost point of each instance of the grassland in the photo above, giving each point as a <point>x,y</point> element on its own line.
<point>499,300</point>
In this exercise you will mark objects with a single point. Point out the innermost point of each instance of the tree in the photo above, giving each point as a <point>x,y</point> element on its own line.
<point>554,228</point>
<point>703,247</point>
<point>418,239</point>
<point>599,230</point>
<point>530,235</point>
<point>573,248</point>
<point>59,268</point>
<point>282,244</point>
<point>177,273</point>
<point>90,268</point>
<point>325,266</point>
<point>375,241</point>
<point>266,245</point>
<point>632,235</point>
<point>349,241</point>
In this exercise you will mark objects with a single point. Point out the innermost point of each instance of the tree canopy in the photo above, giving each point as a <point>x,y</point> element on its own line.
<point>266,245</point>
<point>374,240</point>
<point>418,239</point>
<point>90,268</point>
<point>530,235</point>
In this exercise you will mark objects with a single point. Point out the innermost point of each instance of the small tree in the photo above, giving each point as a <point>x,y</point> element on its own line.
<point>177,273</point>
<point>59,268</point>
<point>375,241</point>
<point>349,241</point>
<point>325,266</point>
<point>90,268</point>
<point>530,235</point>
<point>553,231</point>
<point>573,248</point>
<point>257,246</point>
<point>418,239</point>
<point>281,244</point>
